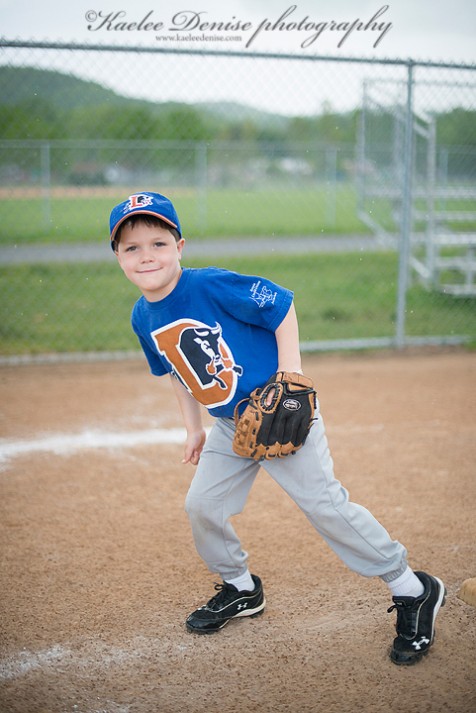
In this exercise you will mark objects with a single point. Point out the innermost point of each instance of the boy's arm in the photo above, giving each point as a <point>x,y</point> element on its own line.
<point>287,338</point>
<point>278,417</point>
<point>192,417</point>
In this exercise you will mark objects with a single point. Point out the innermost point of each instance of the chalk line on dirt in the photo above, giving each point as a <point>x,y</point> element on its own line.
<point>93,656</point>
<point>65,444</point>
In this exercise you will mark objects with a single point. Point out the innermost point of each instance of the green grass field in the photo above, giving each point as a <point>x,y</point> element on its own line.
<point>71,308</point>
<point>78,216</point>
<point>221,213</point>
<point>78,307</point>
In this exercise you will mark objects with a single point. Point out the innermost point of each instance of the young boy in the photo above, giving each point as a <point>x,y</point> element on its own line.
<point>219,335</point>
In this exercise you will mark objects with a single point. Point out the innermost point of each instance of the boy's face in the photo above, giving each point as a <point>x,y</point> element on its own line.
<point>150,258</point>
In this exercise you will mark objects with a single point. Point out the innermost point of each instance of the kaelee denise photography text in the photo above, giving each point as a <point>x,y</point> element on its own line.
<point>196,25</point>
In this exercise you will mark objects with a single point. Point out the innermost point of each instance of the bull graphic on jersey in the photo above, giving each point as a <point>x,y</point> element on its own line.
<point>201,359</point>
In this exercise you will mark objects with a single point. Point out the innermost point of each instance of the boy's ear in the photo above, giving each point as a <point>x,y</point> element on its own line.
<point>180,246</point>
<point>116,253</point>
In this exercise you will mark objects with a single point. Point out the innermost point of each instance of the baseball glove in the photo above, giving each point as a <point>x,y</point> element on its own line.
<point>277,418</point>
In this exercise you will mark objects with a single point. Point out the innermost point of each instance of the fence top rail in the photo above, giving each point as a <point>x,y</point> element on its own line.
<point>212,144</point>
<point>409,62</point>
<point>373,81</point>
<point>191,144</point>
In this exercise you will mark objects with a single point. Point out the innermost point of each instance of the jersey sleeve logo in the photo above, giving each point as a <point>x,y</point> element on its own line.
<point>201,359</point>
<point>261,294</point>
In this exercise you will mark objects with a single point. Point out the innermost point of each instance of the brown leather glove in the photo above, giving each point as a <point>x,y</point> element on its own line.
<point>277,418</point>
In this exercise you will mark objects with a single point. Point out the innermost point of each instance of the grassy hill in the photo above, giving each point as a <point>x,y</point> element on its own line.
<point>63,91</point>
<point>22,85</point>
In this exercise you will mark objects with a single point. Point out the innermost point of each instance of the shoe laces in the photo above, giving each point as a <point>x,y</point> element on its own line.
<point>226,593</point>
<point>407,618</point>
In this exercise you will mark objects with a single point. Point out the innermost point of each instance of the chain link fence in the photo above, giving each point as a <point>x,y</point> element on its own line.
<point>351,182</point>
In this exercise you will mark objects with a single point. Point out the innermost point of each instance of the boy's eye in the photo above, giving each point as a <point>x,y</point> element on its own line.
<point>130,249</point>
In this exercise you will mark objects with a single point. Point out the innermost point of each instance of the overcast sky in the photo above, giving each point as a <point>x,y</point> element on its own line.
<point>418,29</point>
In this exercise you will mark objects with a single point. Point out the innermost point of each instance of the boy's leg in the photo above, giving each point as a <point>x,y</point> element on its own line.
<point>361,542</point>
<point>218,491</point>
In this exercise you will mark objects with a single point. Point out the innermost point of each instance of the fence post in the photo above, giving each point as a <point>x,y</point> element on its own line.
<point>201,178</point>
<point>46,183</point>
<point>430,246</point>
<point>331,185</point>
<point>406,214</point>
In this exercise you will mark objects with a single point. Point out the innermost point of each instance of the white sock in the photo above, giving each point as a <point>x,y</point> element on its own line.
<point>406,585</point>
<point>243,582</point>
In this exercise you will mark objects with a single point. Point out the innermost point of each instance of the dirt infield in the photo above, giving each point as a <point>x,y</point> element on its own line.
<point>99,571</point>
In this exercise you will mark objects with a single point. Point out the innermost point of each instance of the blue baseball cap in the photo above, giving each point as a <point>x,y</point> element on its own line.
<point>146,203</point>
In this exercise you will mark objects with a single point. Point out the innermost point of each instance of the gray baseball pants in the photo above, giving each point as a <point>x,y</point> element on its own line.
<point>223,481</point>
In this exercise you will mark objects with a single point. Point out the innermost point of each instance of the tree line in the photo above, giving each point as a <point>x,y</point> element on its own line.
<point>40,119</point>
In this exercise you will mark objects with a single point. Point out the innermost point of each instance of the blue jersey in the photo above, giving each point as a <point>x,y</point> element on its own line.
<point>215,333</point>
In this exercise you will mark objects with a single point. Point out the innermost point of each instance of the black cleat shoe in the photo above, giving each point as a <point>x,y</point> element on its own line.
<point>228,604</point>
<point>416,621</point>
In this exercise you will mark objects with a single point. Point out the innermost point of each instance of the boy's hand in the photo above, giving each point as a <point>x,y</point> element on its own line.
<point>194,446</point>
